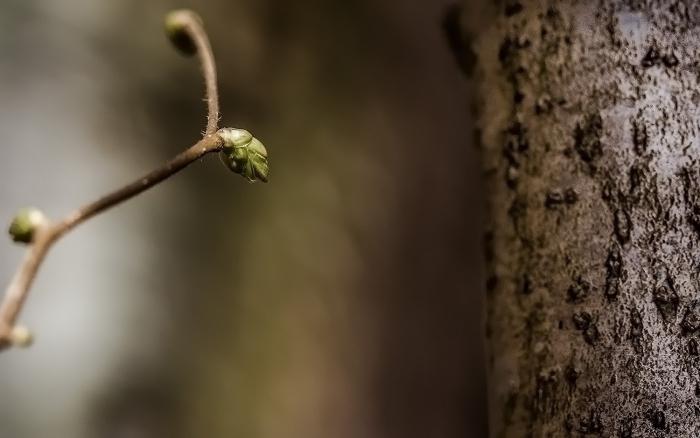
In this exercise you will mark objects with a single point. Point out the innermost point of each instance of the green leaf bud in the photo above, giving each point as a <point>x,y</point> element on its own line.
<point>244,154</point>
<point>25,223</point>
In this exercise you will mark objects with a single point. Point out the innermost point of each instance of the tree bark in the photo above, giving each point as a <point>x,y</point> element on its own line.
<point>588,124</point>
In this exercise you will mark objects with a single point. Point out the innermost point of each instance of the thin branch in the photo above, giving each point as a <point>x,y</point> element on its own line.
<point>191,24</point>
<point>210,143</point>
<point>46,234</point>
<point>206,59</point>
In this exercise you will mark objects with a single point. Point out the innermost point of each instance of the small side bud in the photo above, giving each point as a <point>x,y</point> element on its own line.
<point>21,337</point>
<point>244,154</point>
<point>176,29</point>
<point>24,225</point>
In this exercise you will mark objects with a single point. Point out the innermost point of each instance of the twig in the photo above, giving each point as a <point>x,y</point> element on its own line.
<point>206,58</point>
<point>186,23</point>
<point>187,27</point>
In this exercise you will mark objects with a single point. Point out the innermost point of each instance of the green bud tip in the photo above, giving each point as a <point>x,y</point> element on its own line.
<point>25,224</point>
<point>176,30</point>
<point>244,154</point>
<point>20,336</point>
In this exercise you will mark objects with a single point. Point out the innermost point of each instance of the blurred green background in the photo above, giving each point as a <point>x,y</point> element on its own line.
<point>341,299</point>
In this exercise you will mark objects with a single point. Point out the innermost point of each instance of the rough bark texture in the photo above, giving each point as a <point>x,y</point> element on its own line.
<point>590,137</point>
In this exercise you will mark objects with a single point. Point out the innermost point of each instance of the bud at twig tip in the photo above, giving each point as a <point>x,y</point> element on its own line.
<point>176,23</point>
<point>21,337</point>
<point>25,223</point>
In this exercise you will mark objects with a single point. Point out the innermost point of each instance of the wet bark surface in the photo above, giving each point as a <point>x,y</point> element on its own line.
<point>590,139</point>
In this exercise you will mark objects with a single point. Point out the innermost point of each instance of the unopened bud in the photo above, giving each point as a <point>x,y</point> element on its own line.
<point>176,30</point>
<point>21,337</point>
<point>244,154</point>
<point>25,223</point>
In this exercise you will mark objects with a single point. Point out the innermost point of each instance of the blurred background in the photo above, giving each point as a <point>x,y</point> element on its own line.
<point>341,299</point>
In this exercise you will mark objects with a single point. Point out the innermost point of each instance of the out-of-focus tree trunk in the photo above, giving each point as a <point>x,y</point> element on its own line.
<point>589,131</point>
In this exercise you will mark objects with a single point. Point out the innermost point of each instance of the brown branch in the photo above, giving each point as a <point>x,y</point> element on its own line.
<point>187,33</point>
<point>46,234</point>
<point>210,143</point>
<point>206,59</point>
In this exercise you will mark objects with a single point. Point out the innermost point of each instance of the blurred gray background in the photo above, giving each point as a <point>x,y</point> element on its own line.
<point>341,299</point>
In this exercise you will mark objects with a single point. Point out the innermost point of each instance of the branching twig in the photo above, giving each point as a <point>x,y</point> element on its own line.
<point>187,33</point>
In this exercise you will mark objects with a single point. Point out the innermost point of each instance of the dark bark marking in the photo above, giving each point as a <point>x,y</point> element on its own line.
<point>694,218</point>
<point>578,291</point>
<point>517,211</point>
<point>558,197</point>
<point>571,374</point>
<point>513,8</point>
<point>666,301</point>
<point>622,223</point>
<point>626,429</point>
<point>525,285</point>
<point>610,193</point>
<point>637,178</point>
<point>651,58</point>
<point>516,144</point>
<point>591,423</point>
<point>583,321</point>
<point>587,139</point>
<point>636,324</point>
<point>508,48</point>
<point>518,97</point>
<point>691,318</point>
<point>591,335</point>
<point>614,264</point>
<point>615,275</point>
<point>657,418</point>
<point>640,136</point>
<point>670,60</point>
<point>612,288</point>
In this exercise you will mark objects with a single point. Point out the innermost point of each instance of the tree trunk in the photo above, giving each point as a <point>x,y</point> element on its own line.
<point>588,123</point>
